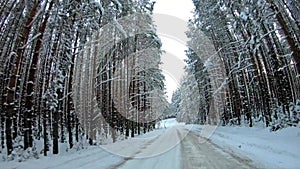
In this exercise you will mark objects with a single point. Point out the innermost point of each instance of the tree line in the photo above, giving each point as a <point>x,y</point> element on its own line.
<point>243,62</point>
<point>68,72</point>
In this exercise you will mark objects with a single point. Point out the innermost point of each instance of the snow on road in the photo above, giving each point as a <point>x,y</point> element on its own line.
<point>176,146</point>
<point>161,153</point>
<point>275,150</point>
<point>200,153</point>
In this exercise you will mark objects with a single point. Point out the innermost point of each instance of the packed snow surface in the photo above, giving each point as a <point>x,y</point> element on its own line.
<point>275,150</point>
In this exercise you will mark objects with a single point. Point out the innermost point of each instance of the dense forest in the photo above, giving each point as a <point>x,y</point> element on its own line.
<point>243,64</point>
<point>88,71</point>
<point>74,70</point>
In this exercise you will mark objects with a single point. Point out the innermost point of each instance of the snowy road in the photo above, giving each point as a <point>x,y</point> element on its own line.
<point>188,152</point>
<point>198,153</point>
<point>160,153</point>
<point>175,147</point>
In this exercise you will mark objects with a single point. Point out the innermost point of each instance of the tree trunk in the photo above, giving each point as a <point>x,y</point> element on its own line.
<point>29,102</point>
<point>293,45</point>
<point>13,83</point>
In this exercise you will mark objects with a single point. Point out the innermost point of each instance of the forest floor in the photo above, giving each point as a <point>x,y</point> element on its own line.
<point>175,146</point>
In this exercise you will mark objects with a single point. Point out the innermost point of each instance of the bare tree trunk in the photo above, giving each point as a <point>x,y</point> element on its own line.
<point>29,102</point>
<point>13,82</point>
<point>293,45</point>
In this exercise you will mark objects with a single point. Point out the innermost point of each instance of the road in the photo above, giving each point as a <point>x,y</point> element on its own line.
<point>179,148</point>
<point>172,148</point>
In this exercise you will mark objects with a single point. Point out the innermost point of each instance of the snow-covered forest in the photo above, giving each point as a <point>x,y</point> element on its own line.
<point>243,64</point>
<point>69,73</point>
<point>76,74</point>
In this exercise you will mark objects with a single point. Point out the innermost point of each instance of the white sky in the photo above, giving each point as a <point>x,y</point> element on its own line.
<point>173,63</point>
<point>179,8</point>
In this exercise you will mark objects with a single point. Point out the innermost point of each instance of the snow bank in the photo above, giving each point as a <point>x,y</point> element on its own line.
<point>274,150</point>
<point>110,155</point>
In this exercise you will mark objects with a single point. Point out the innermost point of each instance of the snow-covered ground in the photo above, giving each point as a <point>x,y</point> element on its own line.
<point>151,146</point>
<point>274,150</point>
<point>175,146</point>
